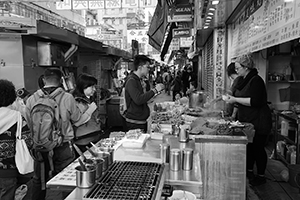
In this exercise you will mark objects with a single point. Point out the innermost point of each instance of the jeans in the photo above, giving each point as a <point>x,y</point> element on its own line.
<point>8,187</point>
<point>63,156</point>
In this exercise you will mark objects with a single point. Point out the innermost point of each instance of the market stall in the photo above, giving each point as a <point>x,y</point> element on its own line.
<point>218,160</point>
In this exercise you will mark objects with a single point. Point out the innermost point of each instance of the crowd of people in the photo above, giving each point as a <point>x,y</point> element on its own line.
<point>75,115</point>
<point>78,123</point>
<point>180,82</point>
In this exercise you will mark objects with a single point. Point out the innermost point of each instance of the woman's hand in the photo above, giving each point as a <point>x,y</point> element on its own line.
<point>230,99</point>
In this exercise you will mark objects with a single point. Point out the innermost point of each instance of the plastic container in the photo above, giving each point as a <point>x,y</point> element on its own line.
<point>293,157</point>
<point>85,179</point>
<point>284,128</point>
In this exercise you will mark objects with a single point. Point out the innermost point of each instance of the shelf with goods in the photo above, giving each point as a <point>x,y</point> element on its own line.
<point>286,139</point>
<point>283,75</point>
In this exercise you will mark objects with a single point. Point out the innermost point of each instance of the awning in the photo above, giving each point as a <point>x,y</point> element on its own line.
<point>202,36</point>
<point>49,31</point>
<point>88,43</point>
<point>167,41</point>
<point>52,32</point>
<point>158,25</point>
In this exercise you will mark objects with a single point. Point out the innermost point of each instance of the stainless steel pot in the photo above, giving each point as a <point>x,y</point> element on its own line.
<point>197,99</point>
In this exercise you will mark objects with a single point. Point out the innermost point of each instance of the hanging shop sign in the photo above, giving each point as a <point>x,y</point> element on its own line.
<point>180,13</point>
<point>264,24</point>
<point>186,42</point>
<point>174,44</point>
<point>181,32</point>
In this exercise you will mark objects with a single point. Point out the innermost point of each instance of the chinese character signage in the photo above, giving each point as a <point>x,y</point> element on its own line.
<point>137,34</point>
<point>103,4</point>
<point>264,24</point>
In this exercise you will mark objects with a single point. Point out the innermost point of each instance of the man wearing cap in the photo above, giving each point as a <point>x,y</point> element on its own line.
<point>69,114</point>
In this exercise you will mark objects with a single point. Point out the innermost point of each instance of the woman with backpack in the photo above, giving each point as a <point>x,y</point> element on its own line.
<point>84,95</point>
<point>10,122</point>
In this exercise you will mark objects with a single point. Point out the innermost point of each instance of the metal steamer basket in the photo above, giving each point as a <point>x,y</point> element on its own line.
<point>128,180</point>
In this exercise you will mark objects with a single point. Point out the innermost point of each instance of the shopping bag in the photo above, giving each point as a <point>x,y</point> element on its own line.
<point>24,160</point>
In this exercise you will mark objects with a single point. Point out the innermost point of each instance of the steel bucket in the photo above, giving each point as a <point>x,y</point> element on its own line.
<point>197,99</point>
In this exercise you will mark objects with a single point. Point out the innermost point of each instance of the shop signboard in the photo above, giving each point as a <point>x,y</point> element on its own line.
<point>264,24</point>
<point>181,13</point>
<point>101,4</point>
<point>186,42</point>
<point>174,44</point>
<point>181,32</point>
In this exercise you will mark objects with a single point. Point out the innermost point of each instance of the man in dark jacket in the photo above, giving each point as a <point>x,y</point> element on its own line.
<point>136,99</point>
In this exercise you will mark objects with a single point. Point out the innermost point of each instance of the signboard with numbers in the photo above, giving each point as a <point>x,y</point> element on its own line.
<point>264,24</point>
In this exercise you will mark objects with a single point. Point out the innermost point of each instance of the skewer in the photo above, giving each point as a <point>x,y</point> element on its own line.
<point>79,152</point>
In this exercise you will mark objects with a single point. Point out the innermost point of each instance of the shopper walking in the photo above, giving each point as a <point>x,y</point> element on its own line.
<point>54,161</point>
<point>84,95</point>
<point>136,99</point>
<point>176,85</point>
<point>185,80</point>
<point>251,98</point>
<point>10,121</point>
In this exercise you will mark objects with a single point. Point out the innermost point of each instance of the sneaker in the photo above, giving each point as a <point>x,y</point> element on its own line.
<point>258,180</point>
<point>250,175</point>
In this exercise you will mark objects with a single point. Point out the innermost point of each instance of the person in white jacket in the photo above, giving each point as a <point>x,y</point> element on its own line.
<point>11,124</point>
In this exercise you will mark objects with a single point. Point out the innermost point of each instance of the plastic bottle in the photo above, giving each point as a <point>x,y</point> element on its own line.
<point>293,157</point>
<point>288,72</point>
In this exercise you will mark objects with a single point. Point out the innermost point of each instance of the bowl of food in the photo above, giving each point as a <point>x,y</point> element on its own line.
<point>182,195</point>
